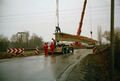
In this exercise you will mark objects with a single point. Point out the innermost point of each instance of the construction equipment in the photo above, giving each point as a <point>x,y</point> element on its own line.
<point>76,39</point>
<point>60,47</point>
<point>60,36</point>
<point>82,16</point>
<point>69,37</point>
<point>80,24</point>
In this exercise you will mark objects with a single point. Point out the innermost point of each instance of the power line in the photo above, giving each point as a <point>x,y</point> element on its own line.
<point>51,12</point>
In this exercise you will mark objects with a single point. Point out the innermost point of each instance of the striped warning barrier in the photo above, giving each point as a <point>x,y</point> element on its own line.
<point>36,52</point>
<point>15,50</point>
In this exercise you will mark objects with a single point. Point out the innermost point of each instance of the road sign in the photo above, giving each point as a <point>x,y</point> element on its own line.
<point>36,51</point>
<point>15,50</point>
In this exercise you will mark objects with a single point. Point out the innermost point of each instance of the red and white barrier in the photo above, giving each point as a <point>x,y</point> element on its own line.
<point>36,51</point>
<point>15,50</point>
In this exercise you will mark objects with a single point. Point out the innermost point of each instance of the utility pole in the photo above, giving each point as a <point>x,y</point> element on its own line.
<point>112,39</point>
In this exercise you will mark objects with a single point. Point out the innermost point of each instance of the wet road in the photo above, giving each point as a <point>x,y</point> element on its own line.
<point>39,68</point>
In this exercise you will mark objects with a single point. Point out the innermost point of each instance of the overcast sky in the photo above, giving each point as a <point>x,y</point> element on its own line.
<point>39,16</point>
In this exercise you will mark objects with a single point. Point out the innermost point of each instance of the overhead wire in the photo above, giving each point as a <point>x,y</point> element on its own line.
<point>48,12</point>
<point>68,12</point>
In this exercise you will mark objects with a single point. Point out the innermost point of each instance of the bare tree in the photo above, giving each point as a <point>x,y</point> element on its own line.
<point>117,46</point>
<point>35,41</point>
<point>106,35</point>
<point>100,35</point>
<point>4,43</point>
<point>22,40</point>
<point>14,38</point>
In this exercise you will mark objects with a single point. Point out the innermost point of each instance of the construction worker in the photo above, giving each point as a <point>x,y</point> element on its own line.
<point>58,29</point>
<point>52,47</point>
<point>54,42</point>
<point>46,48</point>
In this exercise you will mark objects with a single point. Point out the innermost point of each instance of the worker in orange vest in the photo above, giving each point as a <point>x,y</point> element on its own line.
<point>46,48</point>
<point>54,41</point>
<point>52,47</point>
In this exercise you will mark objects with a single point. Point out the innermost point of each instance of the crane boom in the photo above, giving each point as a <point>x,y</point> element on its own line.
<point>82,16</point>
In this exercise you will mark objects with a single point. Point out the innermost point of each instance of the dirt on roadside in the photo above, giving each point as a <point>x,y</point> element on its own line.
<point>94,67</point>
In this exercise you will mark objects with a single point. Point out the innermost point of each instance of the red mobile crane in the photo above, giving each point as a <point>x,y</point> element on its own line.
<point>60,36</point>
<point>82,16</point>
<point>80,23</point>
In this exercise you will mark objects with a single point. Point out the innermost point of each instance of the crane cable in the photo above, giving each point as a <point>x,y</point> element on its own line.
<point>57,12</point>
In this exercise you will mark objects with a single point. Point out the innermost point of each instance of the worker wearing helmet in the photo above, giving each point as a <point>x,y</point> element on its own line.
<point>46,48</point>
<point>54,41</point>
<point>58,30</point>
<point>52,47</point>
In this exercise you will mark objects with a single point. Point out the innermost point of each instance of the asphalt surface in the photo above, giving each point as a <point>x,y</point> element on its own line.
<point>40,68</point>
